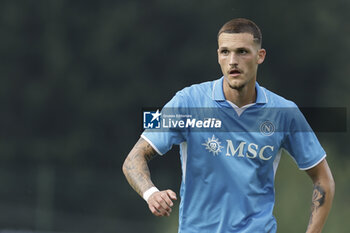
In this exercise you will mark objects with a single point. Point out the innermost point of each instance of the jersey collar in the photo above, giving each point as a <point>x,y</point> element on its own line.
<point>218,92</point>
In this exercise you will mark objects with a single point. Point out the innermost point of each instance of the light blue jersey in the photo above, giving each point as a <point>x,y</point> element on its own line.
<point>228,169</point>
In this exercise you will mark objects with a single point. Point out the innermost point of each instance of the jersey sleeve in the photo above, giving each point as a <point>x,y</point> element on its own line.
<point>301,142</point>
<point>163,139</point>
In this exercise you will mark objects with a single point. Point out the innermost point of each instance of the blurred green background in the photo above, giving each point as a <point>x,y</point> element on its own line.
<point>74,76</point>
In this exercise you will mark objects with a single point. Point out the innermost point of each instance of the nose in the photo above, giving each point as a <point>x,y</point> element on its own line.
<point>233,59</point>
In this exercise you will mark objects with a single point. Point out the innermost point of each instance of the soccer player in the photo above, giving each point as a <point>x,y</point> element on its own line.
<point>228,174</point>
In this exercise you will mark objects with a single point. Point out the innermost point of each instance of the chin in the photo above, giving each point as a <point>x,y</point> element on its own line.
<point>237,87</point>
<point>235,84</point>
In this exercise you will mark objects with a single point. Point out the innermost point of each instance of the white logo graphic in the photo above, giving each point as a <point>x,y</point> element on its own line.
<point>156,115</point>
<point>213,145</point>
<point>267,128</point>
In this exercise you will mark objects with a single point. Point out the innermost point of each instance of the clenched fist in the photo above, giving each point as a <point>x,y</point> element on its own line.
<point>160,202</point>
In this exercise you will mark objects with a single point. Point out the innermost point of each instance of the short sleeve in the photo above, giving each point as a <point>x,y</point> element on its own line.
<point>301,142</point>
<point>163,139</point>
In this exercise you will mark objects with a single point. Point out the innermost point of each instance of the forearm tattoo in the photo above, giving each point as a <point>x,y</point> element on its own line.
<point>135,166</point>
<point>318,199</point>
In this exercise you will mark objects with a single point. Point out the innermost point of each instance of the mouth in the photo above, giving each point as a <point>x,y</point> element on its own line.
<point>234,72</point>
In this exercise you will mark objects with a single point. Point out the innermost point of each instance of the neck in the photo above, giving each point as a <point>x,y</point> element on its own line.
<point>240,97</point>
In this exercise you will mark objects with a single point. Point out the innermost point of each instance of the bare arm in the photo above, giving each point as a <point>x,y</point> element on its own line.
<point>322,197</point>
<point>135,166</point>
<point>137,173</point>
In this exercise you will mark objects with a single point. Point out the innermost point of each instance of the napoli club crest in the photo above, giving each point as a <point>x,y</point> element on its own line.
<point>267,128</point>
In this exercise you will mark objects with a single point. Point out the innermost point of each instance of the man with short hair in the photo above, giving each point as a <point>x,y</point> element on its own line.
<point>228,173</point>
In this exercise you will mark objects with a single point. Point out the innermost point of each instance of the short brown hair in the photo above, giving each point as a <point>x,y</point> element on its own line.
<point>242,25</point>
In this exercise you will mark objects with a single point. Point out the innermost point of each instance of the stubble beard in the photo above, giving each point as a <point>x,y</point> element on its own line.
<point>237,86</point>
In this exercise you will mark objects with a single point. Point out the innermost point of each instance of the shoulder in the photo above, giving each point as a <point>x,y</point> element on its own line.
<point>286,108</point>
<point>198,89</point>
<point>196,93</point>
<point>275,100</point>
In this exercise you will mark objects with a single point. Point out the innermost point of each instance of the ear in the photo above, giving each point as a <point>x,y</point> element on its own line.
<point>261,55</point>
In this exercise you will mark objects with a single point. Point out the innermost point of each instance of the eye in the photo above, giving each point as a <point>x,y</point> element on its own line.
<point>224,51</point>
<point>242,51</point>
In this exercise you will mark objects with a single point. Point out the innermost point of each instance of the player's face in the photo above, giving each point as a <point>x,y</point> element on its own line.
<point>239,57</point>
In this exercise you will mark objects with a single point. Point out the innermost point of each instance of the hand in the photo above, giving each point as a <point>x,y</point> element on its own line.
<point>160,203</point>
